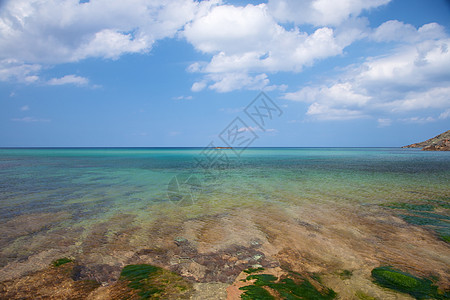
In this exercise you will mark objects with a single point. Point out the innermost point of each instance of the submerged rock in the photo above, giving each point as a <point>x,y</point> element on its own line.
<point>151,282</point>
<point>419,288</point>
<point>278,284</point>
<point>54,282</point>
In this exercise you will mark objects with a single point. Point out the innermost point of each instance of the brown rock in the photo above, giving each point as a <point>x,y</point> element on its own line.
<point>438,143</point>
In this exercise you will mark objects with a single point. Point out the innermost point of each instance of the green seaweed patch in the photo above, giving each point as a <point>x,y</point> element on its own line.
<point>444,234</point>
<point>253,292</point>
<point>409,206</point>
<point>363,296</point>
<point>345,274</point>
<point>262,279</point>
<point>253,270</point>
<point>153,282</point>
<point>316,277</point>
<point>415,220</point>
<point>445,237</point>
<point>440,203</point>
<point>289,289</point>
<point>61,261</point>
<point>420,288</point>
<point>292,287</point>
<point>432,215</point>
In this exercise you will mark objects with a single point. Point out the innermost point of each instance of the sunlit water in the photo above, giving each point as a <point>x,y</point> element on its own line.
<point>84,187</point>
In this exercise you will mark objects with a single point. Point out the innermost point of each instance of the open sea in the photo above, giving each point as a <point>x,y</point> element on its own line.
<point>92,183</point>
<point>101,204</point>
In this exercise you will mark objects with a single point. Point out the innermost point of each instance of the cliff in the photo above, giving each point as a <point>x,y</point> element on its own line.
<point>438,143</point>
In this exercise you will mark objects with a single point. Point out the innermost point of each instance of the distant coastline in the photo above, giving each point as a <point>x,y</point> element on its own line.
<point>440,142</point>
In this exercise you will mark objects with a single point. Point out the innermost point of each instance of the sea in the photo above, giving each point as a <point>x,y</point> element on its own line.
<point>71,201</point>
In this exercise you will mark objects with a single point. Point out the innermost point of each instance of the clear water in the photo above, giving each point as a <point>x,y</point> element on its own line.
<point>92,185</point>
<point>94,182</point>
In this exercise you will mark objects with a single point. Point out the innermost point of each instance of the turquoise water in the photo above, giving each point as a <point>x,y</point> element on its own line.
<point>92,182</point>
<point>71,190</point>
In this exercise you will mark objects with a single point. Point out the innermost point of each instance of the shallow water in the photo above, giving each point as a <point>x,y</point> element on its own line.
<point>103,205</point>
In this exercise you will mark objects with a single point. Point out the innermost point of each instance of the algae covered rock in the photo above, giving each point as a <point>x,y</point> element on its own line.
<point>61,261</point>
<point>282,284</point>
<point>54,282</point>
<point>151,282</point>
<point>420,288</point>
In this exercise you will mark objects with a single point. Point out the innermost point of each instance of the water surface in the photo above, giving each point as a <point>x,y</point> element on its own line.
<point>107,206</point>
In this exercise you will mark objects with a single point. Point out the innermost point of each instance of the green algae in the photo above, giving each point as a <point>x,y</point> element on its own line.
<point>432,215</point>
<point>57,278</point>
<point>440,203</point>
<point>253,270</point>
<point>345,274</point>
<point>293,286</point>
<point>444,233</point>
<point>136,274</point>
<point>289,289</point>
<point>61,261</point>
<point>445,237</point>
<point>419,288</point>
<point>253,292</point>
<point>262,279</point>
<point>425,215</point>
<point>409,206</point>
<point>424,221</point>
<point>153,282</point>
<point>314,276</point>
<point>363,296</point>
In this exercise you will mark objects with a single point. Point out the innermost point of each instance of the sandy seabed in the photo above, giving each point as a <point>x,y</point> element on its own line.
<point>211,250</point>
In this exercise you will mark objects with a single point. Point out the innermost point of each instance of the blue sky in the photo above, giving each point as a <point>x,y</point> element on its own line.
<point>150,73</point>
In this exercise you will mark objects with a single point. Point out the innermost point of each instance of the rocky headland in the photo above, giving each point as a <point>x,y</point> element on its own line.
<point>440,142</point>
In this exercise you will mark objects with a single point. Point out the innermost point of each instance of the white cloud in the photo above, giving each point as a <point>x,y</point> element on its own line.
<point>418,120</point>
<point>445,115</point>
<point>235,81</point>
<point>30,120</point>
<point>37,33</point>
<point>341,94</point>
<point>383,122</point>
<point>69,79</point>
<point>53,31</point>
<point>255,128</point>
<point>249,128</point>
<point>182,98</point>
<point>324,112</point>
<point>394,30</point>
<point>412,66</point>
<point>227,82</point>
<point>246,42</point>
<point>414,77</point>
<point>198,86</point>
<point>320,12</point>
<point>12,69</point>
<point>25,108</point>
<point>432,98</point>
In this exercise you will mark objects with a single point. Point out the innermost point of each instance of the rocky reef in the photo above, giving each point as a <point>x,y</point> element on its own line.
<point>390,250</point>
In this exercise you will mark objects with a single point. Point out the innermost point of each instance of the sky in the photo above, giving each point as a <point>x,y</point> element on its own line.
<point>184,73</point>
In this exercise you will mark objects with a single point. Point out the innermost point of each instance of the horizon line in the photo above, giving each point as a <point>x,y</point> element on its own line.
<point>185,147</point>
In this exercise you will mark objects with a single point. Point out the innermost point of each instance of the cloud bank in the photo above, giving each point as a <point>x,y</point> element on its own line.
<point>244,47</point>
